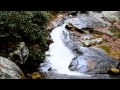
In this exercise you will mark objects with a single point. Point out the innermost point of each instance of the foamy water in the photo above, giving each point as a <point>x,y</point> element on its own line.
<point>60,56</point>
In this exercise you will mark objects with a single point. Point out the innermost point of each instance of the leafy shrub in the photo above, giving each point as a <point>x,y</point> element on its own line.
<point>27,26</point>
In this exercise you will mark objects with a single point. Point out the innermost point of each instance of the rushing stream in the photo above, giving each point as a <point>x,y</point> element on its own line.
<point>60,55</point>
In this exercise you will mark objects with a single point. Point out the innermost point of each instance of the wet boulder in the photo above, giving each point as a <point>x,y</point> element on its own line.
<point>84,21</point>
<point>9,70</point>
<point>93,61</point>
<point>79,64</point>
<point>94,22</point>
<point>45,67</point>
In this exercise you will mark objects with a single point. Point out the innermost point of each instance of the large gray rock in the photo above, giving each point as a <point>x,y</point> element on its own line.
<point>106,15</point>
<point>84,21</point>
<point>9,70</point>
<point>89,59</point>
<point>20,55</point>
<point>92,61</point>
<point>93,22</point>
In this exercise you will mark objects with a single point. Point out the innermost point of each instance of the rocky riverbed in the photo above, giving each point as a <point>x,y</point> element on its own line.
<point>83,45</point>
<point>82,37</point>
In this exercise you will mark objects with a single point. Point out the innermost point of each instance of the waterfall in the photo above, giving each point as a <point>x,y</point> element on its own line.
<point>60,55</point>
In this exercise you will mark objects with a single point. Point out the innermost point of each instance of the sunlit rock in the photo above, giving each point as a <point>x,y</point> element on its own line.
<point>9,70</point>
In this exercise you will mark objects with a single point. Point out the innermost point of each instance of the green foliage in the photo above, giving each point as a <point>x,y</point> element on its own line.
<point>36,57</point>
<point>24,25</point>
<point>36,53</point>
<point>27,26</point>
<point>106,48</point>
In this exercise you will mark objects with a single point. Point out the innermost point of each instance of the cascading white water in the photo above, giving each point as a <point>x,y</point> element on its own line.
<point>60,56</point>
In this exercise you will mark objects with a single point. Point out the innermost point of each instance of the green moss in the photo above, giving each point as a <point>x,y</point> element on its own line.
<point>116,31</point>
<point>118,35</point>
<point>106,48</point>
<point>36,75</point>
<point>114,53</point>
<point>113,29</point>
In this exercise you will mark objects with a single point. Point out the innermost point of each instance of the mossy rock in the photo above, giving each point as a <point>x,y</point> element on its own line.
<point>116,31</point>
<point>36,75</point>
<point>115,70</point>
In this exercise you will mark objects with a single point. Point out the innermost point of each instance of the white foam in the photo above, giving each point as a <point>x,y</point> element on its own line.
<point>60,55</point>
